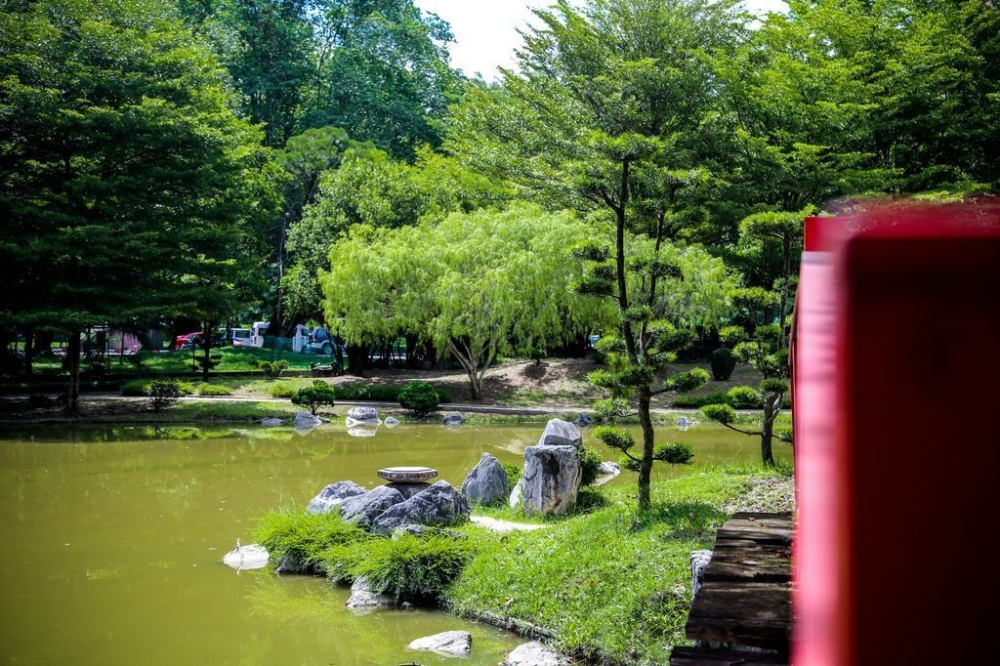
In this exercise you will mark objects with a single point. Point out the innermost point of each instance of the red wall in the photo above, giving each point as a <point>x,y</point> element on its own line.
<point>897,378</point>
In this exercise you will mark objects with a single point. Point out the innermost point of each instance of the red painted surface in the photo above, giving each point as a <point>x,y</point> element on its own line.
<point>897,457</point>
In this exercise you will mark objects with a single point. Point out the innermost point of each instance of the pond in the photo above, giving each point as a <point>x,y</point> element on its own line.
<point>113,537</point>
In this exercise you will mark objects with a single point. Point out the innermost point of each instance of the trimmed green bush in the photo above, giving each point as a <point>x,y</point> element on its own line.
<point>674,453</point>
<point>413,568</point>
<point>419,398</point>
<point>363,391</point>
<point>162,393</point>
<point>590,462</point>
<point>315,396</point>
<point>723,362</point>
<point>744,397</point>
<point>272,370</point>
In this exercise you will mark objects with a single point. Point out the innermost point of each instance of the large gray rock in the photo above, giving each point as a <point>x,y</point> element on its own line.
<point>699,562</point>
<point>457,643</point>
<point>305,420</point>
<point>440,504</point>
<point>515,495</point>
<point>363,416</point>
<point>333,496</point>
<point>364,598</point>
<point>551,479</point>
<point>408,490</point>
<point>560,433</point>
<point>487,482</point>
<point>452,420</point>
<point>533,654</point>
<point>363,510</point>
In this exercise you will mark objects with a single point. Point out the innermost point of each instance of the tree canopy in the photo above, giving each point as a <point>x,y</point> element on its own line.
<point>128,186</point>
<point>475,285</point>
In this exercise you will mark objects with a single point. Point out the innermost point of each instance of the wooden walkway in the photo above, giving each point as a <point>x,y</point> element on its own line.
<point>745,597</point>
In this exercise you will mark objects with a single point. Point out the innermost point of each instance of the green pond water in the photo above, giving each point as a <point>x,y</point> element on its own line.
<point>112,541</point>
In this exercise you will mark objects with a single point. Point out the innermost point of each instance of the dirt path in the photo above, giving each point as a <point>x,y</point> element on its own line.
<point>497,525</point>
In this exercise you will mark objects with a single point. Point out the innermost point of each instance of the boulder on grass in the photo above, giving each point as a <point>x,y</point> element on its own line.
<point>452,420</point>
<point>455,643</point>
<point>333,496</point>
<point>487,482</point>
<point>440,504</point>
<point>363,510</point>
<point>551,479</point>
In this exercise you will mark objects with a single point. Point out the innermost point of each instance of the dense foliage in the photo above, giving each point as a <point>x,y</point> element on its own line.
<point>419,398</point>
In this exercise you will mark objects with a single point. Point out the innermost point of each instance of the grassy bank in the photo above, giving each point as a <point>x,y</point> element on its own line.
<point>608,585</point>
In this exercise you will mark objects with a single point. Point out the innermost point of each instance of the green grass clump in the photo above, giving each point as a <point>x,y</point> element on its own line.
<point>282,390</point>
<point>214,389</point>
<point>413,568</point>
<point>304,536</point>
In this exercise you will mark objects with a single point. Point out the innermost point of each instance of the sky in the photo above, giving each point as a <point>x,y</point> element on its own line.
<point>486,30</point>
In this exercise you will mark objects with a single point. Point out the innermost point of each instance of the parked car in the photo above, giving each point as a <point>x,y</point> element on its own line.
<point>184,341</point>
<point>239,336</point>
<point>192,340</point>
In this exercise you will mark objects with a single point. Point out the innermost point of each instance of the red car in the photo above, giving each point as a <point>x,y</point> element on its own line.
<point>185,341</point>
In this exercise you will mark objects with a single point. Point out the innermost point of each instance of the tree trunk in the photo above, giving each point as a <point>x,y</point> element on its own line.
<point>648,440</point>
<point>357,358</point>
<point>772,406</point>
<point>73,365</point>
<point>29,352</point>
<point>206,359</point>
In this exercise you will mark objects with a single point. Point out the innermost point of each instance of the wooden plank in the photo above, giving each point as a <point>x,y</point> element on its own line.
<point>701,656</point>
<point>774,529</point>
<point>756,614</point>
<point>745,560</point>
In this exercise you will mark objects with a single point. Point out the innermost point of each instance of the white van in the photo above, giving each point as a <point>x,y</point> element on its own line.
<point>240,337</point>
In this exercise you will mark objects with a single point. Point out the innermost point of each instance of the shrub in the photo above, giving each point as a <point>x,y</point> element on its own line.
<point>513,474</point>
<point>312,397</point>
<point>282,390</point>
<point>272,370</point>
<point>723,363</point>
<point>744,397</point>
<point>695,401</point>
<point>135,388</point>
<point>162,393</point>
<point>413,568</point>
<point>214,389</point>
<point>590,462</point>
<point>419,398</point>
<point>674,453</point>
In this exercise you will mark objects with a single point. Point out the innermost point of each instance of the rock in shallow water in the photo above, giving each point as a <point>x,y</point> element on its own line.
<point>252,556</point>
<point>458,643</point>
<point>534,654</point>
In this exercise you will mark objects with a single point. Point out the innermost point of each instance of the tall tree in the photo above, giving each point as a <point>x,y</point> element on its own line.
<point>129,188</point>
<point>613,110</point>
<point>380,71</point>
